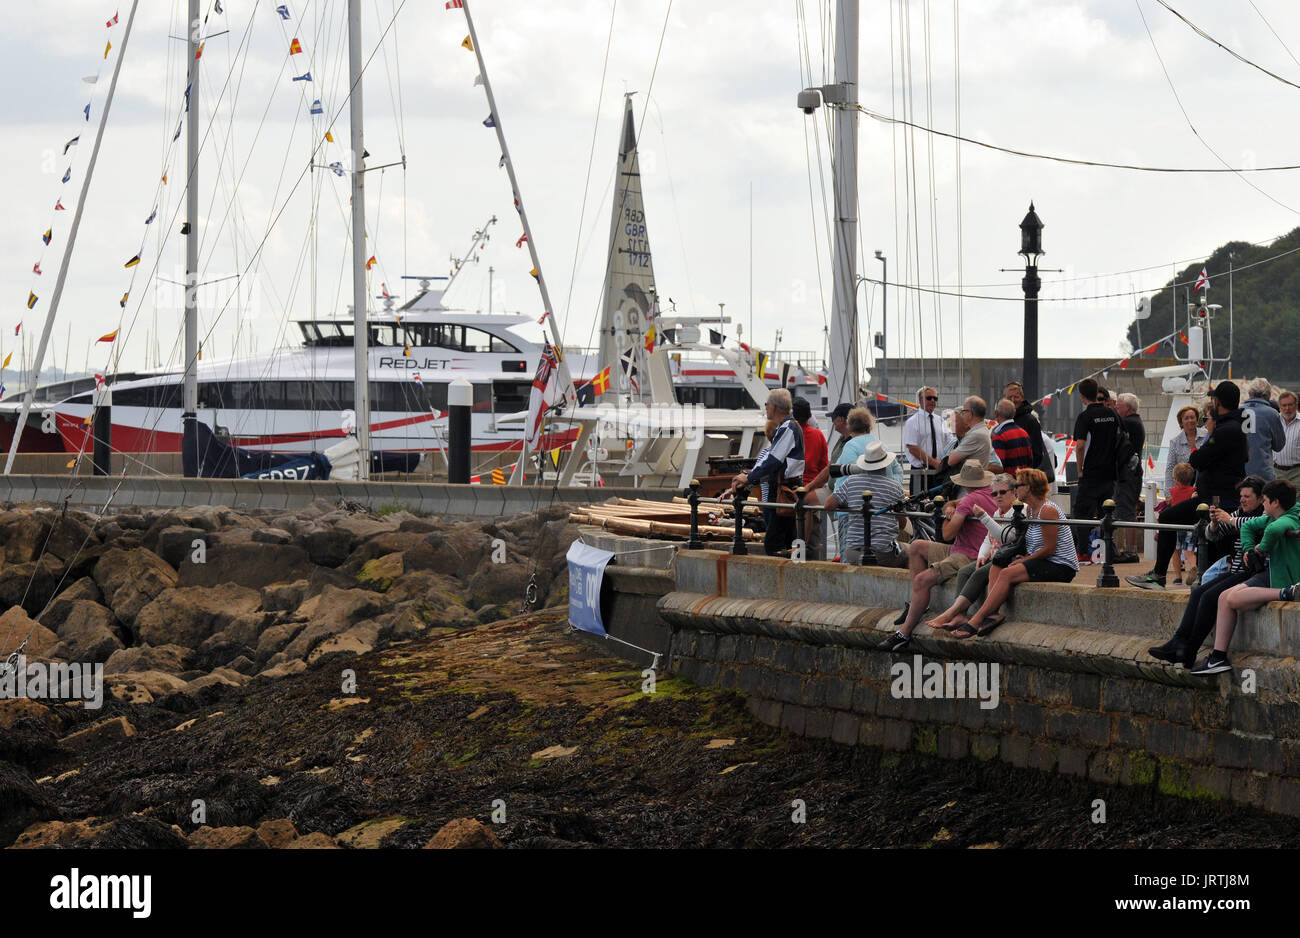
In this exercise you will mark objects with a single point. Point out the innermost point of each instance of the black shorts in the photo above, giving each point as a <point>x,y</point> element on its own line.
<point>1126,497</point>
<point>1046,570</point>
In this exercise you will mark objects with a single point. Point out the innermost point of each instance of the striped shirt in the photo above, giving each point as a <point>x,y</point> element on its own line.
<point>1289,454</point>
<point>782,460</point>
<point>1218,530</point>
<point>1012,447</point>
<point>884,492</point>
<point>1064,543</point>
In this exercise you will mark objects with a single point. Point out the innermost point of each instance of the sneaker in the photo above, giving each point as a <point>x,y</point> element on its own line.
<point>1177,582</point>
<point>1084,560</point>
<point>1170,651</point>
<point>1288,594</point>
<point>1217,663</point>
<point>1125,558</point>
<point>1147,581</point>
<point>897,641</point>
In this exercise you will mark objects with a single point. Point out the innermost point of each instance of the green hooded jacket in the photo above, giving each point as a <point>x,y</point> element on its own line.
<point>1273,539</point>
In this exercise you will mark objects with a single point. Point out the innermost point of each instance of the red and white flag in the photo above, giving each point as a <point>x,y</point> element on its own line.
<point>545,316</point>
<point>36,268</point>
<point>544,395</point>
<point>522,238</point>
<point>99,381</point>
<point>111,23</point>
<point>454,4</point>
<point>1202,282</point>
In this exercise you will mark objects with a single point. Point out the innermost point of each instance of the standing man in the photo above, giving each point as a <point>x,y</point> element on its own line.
<point>1128,475</point>
<point>974,440</point>
<point>840,424</point>
<point>782,464</point>
<point>1026,419</point>
<point>1012,445</point>
<point>815,460</point>
<point>1096,435</point>
<point>1264,430</point>
<point>925,438</point>
<point>1286,460</point>
<point>1220,465</point>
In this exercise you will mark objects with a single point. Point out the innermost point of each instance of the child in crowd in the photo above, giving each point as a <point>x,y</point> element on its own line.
<point>1184,488</point>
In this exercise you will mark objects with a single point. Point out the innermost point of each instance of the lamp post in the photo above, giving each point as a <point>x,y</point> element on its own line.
<point>1031,249</point>
<point>884,323</point>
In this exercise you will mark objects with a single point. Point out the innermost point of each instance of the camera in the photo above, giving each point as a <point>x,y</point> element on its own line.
<point>839,470</point>
<point>809,100</point>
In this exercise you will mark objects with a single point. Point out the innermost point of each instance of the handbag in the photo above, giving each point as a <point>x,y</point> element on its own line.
<point>786,496</point>
<point>1003,556</point>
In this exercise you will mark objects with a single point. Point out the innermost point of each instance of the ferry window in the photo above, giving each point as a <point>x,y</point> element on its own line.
<point>383,334</point>
<point>511,396</point>
<point>157,395</point>
<point>503,347</point>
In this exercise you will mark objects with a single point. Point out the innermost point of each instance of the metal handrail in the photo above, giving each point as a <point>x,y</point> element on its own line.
<point>1107,523</point>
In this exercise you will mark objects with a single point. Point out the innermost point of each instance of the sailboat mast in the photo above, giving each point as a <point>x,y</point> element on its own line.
<point>360,338</point>
<point>34,375</point>
<point>190,386</point>
<point>842,365</point>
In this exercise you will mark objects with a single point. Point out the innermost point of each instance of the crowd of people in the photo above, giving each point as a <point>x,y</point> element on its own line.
<point>1242,459</point>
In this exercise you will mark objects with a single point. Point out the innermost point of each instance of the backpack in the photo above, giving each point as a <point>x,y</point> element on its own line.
<point>1127,459</point>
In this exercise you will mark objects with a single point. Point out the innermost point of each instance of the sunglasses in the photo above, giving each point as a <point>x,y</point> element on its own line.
<point>1001,492</point>
<point>931,397</point>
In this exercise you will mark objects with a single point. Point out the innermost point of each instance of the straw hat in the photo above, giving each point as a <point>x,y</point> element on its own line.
<point>875,457</point>
<point>973,475</point>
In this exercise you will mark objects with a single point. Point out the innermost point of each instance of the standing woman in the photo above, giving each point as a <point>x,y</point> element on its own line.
<point>1185,441</point>
<point>1049,555</point>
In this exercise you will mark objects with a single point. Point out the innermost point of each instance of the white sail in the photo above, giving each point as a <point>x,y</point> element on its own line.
<point>630,307</point>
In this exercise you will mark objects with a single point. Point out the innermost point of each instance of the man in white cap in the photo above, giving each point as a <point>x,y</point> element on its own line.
<point>873,477</point>
<point>933,563</point>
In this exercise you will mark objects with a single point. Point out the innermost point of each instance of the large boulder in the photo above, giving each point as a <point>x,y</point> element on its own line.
<point>432,590</point>
<point>172,659</point>
<point>246,563</point>
<point>131,579</point>
<point>175,543</point>
<point>28,534</point>
<point>89,633</point>
<point>336,611</point>
<point>458,550</point>
<point>496,583</point>
<point>189,614</point>
<point>15,625</point>
<point>155,683</point>
<point>326,545</point>
<point>32,584</point>
<point>275,639</point>
<point>57,612</point>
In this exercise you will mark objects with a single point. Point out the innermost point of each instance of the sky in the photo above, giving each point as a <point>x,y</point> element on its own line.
<point>736,178</point>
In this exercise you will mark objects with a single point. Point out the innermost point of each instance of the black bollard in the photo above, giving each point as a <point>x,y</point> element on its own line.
<point>738,506</point>
<point>800,516</point>
<point>102,428</point>
<point>1108,577</point>
<point>693,496</point>
<point>868,554</point>
<point>1202,539</point>
<point>460,404</point>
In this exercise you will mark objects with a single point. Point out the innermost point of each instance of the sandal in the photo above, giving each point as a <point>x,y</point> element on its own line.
<point>991,623</point>
<point>964,630</point>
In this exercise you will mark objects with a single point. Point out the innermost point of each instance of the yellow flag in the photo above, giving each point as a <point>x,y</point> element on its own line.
<point>555,458</point>
<point>71,463</point>
<point>106,49</point>
<point>329,136</point>
<point>467,44</point>
<point>7,357</point>
<point>1071,391</point>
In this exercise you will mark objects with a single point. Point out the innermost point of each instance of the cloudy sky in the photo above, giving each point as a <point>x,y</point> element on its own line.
<point>1077,79</point>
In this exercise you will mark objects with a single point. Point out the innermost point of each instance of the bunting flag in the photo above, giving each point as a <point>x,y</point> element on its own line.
<point>490,121</point>
<point>122,301</point>
<point>1151,463</point>
<point>31,300</point>
<point>337,168</point>
<point>18,328</point>
<point>329,137</point>
<point>406,352</point>
<point>58,206</point>
<point>417,379</point>
<point>152,216</point>
<point>107,48</point>
<point>454,5</point>
<point>111,23</point>
<point>67,174</point>
<point>180,125</point>
<point>545,316</point>
<point>99,381</point>
<point>501,163</point>
<point>1152,348</point>
<point>86,109</point>
<point>600,383</point>
<point>478,80</point>
<point>498,477</point>
<point>371,263</point>
<point>198,53</point>
<point>555,456</point>
<point>133,261</point>
<point>7,358</point>
<point>534,274</point>
<point>217,6</point>
<point>111,337</point>
<point>49,233</point>
<point>761,360</point>
<point>305,76</point>
<point>650,339</point>
<point>283,10</point>
<point>1202,282</point>
<point>467,44</point>
<point>383,291</point>
<point>71,143</point>
<point>295,47</point>
<point>36,268</point>
<point>522,238</point>
<point>316,107</point>
<point>164,179</point>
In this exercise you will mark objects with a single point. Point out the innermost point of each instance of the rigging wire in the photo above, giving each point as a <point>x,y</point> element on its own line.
<point>1236,55</point>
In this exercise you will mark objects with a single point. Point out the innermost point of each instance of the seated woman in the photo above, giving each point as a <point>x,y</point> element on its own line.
<point>1049,555</point>
<point>973,579</point>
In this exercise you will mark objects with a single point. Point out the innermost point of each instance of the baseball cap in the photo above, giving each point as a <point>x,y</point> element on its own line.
<point>1227,394</point>
<point>841,411</point>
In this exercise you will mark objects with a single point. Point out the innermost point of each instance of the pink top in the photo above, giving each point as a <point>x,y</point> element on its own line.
<point>971,535</point>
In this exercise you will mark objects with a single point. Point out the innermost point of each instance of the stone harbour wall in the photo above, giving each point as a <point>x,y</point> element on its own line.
<point>1076,692</point>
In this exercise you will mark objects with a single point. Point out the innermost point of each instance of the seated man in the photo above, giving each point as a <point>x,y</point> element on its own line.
<point>932,563</point>
<point>1202,605</point>
<point>885,491</point>
<point>1267,539</point>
